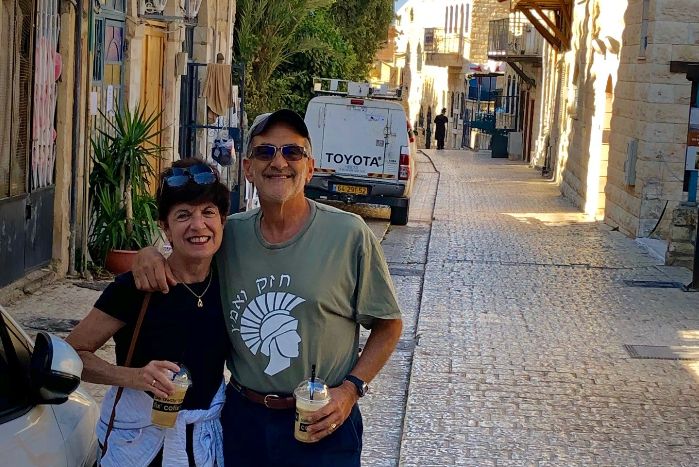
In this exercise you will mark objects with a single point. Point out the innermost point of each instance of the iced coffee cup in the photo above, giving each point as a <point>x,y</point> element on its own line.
<point>310,395</point>
<point>165,409</point>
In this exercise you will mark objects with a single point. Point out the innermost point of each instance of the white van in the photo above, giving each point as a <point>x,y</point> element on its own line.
<point>362,152</point>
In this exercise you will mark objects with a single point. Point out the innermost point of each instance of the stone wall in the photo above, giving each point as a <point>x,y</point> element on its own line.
<point>545,88</point>
<point>682,237</point>
<point>652,107</point>
<point>649,104</point>
<point>591,74</point>
<point>483,11</point>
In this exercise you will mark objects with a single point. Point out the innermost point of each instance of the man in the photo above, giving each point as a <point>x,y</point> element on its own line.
<point>440,133</point>
<point>297,278</point>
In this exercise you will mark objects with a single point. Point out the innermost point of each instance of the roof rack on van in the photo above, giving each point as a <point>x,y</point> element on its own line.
<point>344,87</point>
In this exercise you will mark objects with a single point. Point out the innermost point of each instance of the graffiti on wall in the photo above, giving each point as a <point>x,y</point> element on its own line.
<point>48,65</point>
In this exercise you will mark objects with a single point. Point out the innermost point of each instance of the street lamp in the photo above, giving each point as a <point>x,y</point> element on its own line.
<point>154,6</point>
<point>190,8</point>
<point>187,11</point>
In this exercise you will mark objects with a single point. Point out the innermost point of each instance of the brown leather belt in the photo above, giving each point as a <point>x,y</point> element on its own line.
<point>271,401</point>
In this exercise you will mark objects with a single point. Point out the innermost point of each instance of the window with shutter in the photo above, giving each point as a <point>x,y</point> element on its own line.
<point>16,73</point>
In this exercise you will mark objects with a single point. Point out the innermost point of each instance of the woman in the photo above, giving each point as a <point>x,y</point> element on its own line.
<point>183,327</point>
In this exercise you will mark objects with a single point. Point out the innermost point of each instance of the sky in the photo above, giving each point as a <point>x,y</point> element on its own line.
<point>398,3</point>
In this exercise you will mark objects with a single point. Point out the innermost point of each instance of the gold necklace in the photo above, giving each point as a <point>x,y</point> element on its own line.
<point>200,303</point>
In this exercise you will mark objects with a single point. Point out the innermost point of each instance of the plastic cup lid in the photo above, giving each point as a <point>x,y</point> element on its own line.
<point>318,387</point>
<point>182,377</point>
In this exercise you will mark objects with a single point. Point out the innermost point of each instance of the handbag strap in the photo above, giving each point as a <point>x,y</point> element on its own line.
<point>129,356</point>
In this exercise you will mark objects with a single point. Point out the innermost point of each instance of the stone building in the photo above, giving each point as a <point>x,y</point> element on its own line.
<point>383,70</point>
<point>618,83</point>
<point>515,41</point>
<point>125,52</point>
<point>37,92</point>
<point>438,45</point>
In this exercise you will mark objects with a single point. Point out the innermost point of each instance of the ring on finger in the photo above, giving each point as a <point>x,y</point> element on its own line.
<point>153,383</point>
<point>333,426</point>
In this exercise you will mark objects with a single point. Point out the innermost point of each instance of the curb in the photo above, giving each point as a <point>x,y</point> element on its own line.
<point>27,285</point>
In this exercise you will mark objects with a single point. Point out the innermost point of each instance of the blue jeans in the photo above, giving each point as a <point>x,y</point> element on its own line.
<point>256,436</point>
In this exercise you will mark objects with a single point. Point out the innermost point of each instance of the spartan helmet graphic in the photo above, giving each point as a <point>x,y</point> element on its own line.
<point>267,326</point>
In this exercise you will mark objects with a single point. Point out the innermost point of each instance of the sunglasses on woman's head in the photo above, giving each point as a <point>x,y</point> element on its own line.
<point>201,174</point>
<point>267,152</point>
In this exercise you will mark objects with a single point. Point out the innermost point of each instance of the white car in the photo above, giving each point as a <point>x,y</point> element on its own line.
<point>46,418</point>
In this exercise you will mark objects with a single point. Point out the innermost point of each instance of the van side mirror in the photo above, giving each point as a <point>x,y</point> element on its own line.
<point>55,369</point>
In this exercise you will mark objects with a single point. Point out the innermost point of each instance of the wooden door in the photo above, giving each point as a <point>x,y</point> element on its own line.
<point>152,84</point>
<point>528,124</point>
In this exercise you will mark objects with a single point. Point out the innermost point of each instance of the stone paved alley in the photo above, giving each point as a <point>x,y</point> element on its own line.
<point>522,322</point>
<point>516,314</point>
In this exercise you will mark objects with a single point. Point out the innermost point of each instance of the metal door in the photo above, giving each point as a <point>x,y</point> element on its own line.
<point>29,69</point>
<point>107,56</point>
<point>492,111</point>
<point>189,91</point>
<point>107,62</point>
<point>466,119</point>
<point>194,134</point>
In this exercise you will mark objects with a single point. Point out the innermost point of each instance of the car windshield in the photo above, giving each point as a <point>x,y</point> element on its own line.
<point>14,359</point>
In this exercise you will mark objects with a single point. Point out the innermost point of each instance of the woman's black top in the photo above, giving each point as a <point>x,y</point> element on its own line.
<point>173,329</point>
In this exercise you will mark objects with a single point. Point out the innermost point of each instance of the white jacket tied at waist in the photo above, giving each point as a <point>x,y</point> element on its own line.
<point>135,441</point>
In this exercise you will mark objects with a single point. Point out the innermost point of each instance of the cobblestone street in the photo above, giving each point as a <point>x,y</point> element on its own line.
<point>516,314</point>
<point>522,322</point>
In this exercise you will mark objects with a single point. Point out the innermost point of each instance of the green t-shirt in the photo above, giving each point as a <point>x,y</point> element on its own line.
<point>294,304</point>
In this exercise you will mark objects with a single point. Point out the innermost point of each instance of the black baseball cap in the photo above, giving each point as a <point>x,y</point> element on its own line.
<point>263,122</point>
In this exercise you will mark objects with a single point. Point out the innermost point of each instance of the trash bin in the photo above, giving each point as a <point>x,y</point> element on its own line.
<point>498,145</point>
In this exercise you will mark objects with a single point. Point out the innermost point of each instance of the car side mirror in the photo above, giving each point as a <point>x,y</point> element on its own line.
<point>55,369</point>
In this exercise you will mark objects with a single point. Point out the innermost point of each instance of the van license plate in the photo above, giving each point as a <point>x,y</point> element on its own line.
<point>353,190</point>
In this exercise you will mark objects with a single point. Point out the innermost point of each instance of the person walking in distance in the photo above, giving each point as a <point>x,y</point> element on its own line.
<point>440,122</point>
<point>297,280</point>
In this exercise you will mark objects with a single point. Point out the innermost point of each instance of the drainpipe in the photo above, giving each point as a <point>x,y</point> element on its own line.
<point>692,200</point>
<point>77,78</point>
<point>695,273</point>
<point>693,76</point>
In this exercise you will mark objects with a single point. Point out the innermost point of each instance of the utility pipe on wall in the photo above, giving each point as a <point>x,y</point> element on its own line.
<point>77,77</point>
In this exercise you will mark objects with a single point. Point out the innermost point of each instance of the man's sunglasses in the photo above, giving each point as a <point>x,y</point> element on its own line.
<point>267,152</point>
<point>201,174</point>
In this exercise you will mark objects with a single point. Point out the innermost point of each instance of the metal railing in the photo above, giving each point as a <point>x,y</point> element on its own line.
<point>437,41</point>
<point>514,36</point>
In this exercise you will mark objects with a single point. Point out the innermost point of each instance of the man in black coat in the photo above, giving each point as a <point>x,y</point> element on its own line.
<point>441,128</point>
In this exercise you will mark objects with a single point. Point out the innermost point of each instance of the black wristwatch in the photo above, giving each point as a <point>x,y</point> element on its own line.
<point>362,386</point>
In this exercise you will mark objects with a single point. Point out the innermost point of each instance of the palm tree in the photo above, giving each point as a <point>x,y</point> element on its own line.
<point>267,37</point>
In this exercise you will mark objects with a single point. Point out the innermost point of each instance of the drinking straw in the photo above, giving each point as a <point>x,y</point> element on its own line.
<point>313,379</point>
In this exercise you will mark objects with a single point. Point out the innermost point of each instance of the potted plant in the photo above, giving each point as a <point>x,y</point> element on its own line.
<point>123,212</point>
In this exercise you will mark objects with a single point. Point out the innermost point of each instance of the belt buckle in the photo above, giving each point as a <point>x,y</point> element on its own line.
<point>271,397</point>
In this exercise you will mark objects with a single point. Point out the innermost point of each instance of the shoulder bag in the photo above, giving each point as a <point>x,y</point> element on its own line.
<point>129,356</point>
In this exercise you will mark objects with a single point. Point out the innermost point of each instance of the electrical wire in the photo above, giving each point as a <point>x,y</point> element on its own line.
<point>662,214</point>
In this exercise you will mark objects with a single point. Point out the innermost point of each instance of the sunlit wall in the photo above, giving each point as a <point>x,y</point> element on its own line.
<point>608,91</point>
